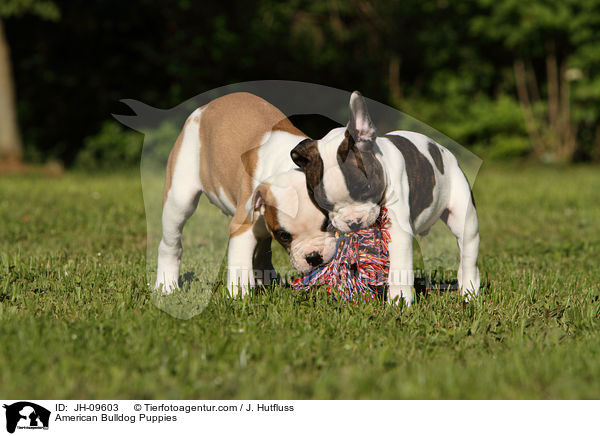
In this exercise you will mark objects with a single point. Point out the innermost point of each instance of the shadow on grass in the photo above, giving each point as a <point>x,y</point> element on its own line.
<point>192,297</point>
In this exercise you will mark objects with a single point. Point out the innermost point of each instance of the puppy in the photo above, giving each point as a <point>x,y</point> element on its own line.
<point>236,149</point>
<point>351,172</point>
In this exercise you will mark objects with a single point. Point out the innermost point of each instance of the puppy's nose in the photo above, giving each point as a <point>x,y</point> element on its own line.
<point>355,225</point>
<point>314,259</point>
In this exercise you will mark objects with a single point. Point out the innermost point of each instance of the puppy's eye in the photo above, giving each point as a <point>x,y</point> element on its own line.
<point>283,236</point>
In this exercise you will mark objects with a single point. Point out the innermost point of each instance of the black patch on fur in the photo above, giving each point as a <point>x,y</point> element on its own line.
<point>306,156</point>
<point>436,154</point>
<point>362,171</point>
<point>421,179</point>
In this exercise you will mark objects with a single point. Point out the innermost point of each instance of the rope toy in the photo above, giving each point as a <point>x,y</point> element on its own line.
<point>359,270</point>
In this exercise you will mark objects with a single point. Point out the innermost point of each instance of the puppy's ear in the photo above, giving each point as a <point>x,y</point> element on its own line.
<point>360,126</point>
<point>257,203</point>
<point>303,152</point>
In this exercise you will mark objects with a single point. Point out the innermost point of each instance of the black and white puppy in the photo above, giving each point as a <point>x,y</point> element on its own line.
<point>351,173</point>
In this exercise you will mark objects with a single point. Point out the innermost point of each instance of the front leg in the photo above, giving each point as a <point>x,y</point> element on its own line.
<point>401,277</point>
<point>240,275</point>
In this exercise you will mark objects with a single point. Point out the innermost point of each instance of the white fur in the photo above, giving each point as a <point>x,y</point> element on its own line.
<point>333,179</point>
<point>345,213</point>
<point>274,154</point>
<point>290,206</point>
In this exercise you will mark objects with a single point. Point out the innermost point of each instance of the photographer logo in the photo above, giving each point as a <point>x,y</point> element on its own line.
<point>25,415</point>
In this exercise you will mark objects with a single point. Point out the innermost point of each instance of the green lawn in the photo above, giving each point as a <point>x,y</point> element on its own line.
<point>77,319</point>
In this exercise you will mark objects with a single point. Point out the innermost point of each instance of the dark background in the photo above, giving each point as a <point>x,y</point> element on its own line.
<point>507,79</point>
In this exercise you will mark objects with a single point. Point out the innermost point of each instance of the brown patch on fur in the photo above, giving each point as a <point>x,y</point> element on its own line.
<point>270,202</point>
<point>436,154</point>
<point>421,179</point>
<point>272,220</point>
<point>231,130</point>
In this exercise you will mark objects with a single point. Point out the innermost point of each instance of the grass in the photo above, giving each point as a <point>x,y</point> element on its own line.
<point>77,319</point>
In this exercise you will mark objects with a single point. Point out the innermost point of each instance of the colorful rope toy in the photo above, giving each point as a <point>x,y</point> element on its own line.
<point>359,269</point>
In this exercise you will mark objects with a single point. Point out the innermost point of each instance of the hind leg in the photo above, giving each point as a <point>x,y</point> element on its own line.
<point>180,202</point>
<point>177,210</point>
<point>462,221</point>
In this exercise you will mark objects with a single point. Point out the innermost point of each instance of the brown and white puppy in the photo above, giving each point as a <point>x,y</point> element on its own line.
<point>351,172</point>
<point>236,150</point>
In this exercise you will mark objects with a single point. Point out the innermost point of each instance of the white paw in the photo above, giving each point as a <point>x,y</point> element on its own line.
<point>236,289</point>
<point>398,292</point>
<point>469,285</point>
<point>239,281</point>
<point>468,294</point>
<point>238,285</point>
<point>166,285</point>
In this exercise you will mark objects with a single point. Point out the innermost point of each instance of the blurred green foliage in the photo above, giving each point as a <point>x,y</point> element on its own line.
<point>505,78</point>
<point>45,9</point>
<point>117,147</point>
<point>159,141</point>
<point>114,147</point>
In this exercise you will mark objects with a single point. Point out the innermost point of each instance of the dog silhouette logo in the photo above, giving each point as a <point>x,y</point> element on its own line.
<point>26,415</point>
